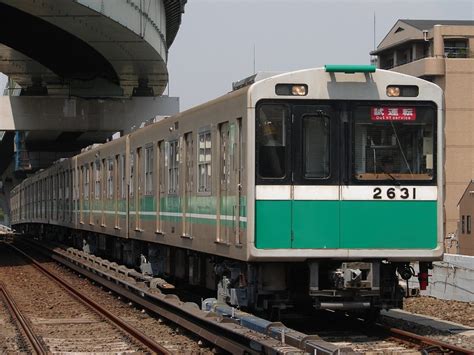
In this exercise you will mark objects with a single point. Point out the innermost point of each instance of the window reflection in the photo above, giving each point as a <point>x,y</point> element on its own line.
<point>316,146</point>
<point>271,140</point>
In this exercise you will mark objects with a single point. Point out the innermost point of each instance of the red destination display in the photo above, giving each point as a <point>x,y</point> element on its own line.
<point>393,113</point>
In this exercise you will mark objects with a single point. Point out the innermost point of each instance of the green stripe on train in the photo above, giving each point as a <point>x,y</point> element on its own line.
<point>346,224</point>
<point>199,205</point>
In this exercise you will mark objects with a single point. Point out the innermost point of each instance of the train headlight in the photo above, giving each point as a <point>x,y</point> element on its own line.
<point>291,89</point>
<point>299,90</point>
<point>402,91</point>
<point>393,91</point>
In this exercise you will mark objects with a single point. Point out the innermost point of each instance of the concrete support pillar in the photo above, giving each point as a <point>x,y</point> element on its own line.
<point>4,206</point>
<point>413,52</point>
<point>438,42</point>
<point>7,185</point>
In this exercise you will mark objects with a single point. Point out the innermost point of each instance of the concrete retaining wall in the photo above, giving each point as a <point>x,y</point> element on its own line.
<point>453,278</point>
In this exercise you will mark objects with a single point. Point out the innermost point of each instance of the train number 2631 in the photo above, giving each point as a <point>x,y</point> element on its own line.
<point>391,193</point>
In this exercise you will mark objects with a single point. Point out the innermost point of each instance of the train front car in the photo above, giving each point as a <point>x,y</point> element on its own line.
<point>348,184</point>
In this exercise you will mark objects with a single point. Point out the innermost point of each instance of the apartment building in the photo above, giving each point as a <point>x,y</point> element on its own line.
<point>443,53</point>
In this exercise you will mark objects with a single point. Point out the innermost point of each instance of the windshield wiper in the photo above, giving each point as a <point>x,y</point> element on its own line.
<point>397,182</point>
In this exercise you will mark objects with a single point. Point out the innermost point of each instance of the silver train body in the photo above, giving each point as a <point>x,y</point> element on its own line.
<point>200,197</point>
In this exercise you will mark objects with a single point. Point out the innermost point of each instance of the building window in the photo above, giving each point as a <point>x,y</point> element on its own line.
<point>456,48</point>
<point>204,162</point>
<point>110,179</point>
<point>149,170</point>
<point>97,180</point>
<point>173,168</point>
<point>463,225</point>
<point>468,224</point>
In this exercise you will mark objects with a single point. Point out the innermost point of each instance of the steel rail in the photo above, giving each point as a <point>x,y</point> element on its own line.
<point>225,334</point>
<point>424,342</point>
<point>23,322</point>
<point>136,334</point>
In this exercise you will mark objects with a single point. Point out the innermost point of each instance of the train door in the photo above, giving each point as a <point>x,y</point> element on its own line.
<point>297,176</point>
<point>225,202</point>
<point>188,185</point>
<point>315,163</point>
<point>104,180</point>
<point>160,181</point>
<point>237,163</point>
<point>131,208</point>
<point>139,190</point>
<point>116,193</point>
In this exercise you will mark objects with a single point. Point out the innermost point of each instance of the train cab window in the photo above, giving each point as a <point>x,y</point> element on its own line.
<point>394,143</point>
<point>316,146</point>
<point>271,141</point>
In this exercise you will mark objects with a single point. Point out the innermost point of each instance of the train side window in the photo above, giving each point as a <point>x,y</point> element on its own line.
<point>149,170</point>
<point>122,177</point>
<point>204,162</point>
<point>463,224</point>
<point>271,141</point>
<point>468,224</point>
<point>132,175</point>
<point>173,167</point>
<point>97,180</point>
<point>86,182</point>
<point>161,173</point>
<point>110,178</point>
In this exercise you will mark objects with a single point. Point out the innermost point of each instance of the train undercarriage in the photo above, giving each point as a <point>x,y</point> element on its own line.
<point>272,287</point>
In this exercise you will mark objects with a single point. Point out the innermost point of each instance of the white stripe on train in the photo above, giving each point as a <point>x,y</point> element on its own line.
<point>347,193</point>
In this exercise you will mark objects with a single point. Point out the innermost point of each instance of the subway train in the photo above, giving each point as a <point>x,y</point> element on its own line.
<point>315,187</point>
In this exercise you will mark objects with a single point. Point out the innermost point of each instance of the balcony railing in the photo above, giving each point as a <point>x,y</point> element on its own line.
<point>457,52</point>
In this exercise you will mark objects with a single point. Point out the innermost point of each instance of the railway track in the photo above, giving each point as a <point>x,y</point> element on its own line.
<point>24,337</point>
<point>364,337</point>
<point>223,333</point>
<point>69,320</point>
<point>377,339</point>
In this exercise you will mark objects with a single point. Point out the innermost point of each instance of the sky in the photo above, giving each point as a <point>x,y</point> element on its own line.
<point>215,44</point>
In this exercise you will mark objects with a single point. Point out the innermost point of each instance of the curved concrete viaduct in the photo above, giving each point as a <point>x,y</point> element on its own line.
<point>86,69</point>
<point>88,47</point>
